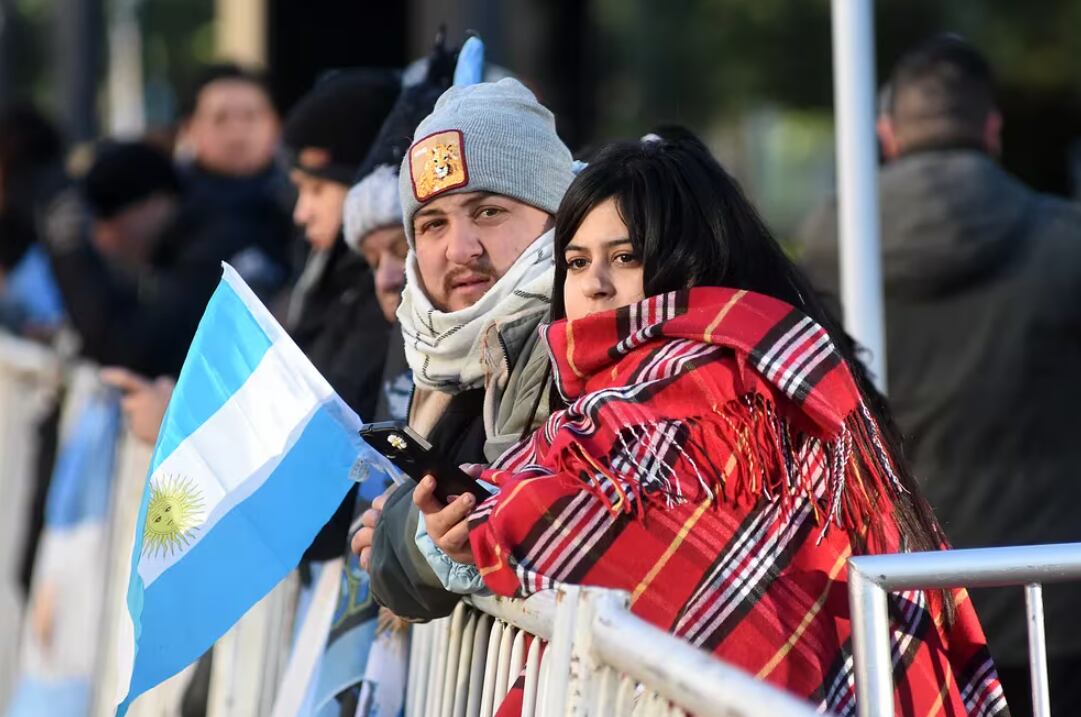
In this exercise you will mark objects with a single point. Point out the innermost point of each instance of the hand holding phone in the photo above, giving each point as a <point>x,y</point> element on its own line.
<point>447,523</point>
<point>417,458</point>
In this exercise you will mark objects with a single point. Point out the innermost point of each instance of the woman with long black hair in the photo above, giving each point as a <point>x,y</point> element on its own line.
<point>720,451</point>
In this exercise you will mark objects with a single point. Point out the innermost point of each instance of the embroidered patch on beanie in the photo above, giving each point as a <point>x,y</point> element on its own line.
<point>437,164</point>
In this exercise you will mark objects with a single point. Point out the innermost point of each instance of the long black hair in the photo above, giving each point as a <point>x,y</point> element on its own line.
<point>691,225</point>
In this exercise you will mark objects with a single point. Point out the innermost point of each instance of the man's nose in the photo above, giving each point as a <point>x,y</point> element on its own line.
<point>389,275</point>
<point>300,212</point>
<point>463,244</point>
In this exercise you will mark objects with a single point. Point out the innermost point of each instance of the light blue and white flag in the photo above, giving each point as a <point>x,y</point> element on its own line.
<point>59,648</point>
<point>255,453</point>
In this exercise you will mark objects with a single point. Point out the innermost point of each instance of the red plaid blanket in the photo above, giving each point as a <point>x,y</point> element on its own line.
<point>716,462</point>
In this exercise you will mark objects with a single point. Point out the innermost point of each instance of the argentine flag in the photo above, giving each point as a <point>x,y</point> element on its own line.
<point>255,453</point>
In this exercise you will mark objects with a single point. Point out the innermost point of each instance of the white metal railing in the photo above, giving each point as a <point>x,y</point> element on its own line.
<point>248,660</point>
<point>579,651</point>
<point>252,655</point>
<point>29,379</point>
<point>857,179</point>
<point>871,577</point>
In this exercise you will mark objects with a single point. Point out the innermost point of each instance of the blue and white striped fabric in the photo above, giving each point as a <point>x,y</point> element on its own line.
<point>255,453</point>
<point>57,663</point>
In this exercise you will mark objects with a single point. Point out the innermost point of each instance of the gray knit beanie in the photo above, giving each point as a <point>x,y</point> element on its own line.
<point>371,204</point>
<point>489,137</point>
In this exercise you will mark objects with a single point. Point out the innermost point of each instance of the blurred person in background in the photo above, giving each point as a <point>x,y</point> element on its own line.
<point>333,314</point>
<point>136,260</point>
<point>982,279</point>
<point>31,174</point>
<point>228,145</point>
<point>382,244</point>
<point>234,187</point>
<point>230,126</point>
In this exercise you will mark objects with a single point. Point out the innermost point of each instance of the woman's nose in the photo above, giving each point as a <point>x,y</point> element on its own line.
<point>597,284</point>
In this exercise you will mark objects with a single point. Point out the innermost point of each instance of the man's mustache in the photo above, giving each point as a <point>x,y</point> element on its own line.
<point>475,271</point>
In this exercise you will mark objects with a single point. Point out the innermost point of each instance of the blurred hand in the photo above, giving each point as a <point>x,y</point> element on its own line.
<point>362,539</point>
<point>447,524</point>
<point>144,401</point>
<point>43,613</point>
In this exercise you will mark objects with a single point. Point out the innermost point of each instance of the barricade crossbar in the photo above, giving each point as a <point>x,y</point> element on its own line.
<point>871,577</point>
<point>578,651</point>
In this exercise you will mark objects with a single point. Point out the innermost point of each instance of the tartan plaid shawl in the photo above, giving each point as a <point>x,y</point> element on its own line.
<point>716,462</point>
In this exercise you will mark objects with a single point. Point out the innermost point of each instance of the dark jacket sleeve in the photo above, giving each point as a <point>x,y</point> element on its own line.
<point>401,578</point>
<point>146,327</point>
<point>351,352</point>
<point>146,324</point>
<point>328,543</point>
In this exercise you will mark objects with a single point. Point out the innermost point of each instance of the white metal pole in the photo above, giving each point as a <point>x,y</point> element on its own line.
<point>870,644</point>
<point>1037,651</point>
<point>857,178</point>
<point>127,115</point>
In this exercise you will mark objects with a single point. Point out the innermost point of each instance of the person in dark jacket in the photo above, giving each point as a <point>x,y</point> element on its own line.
<point>228,147</point>
<point>982,279</point>
<point>234,186</point>
<point>31,175</point>
<point>357,665</point>
<point>333,314</point>
<point>135,262</point>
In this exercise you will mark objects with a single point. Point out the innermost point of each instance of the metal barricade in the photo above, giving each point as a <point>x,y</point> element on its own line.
<point>133,458</point>
<point>871,577</point>
<point>248,660</point>
<point>29,380</point>
<point>578,651</point>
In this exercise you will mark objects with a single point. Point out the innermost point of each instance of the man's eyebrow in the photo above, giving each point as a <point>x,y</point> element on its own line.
<point>605,245</point>
<point>429,212</point>
<point>480,197</point>
<point>472,201</point>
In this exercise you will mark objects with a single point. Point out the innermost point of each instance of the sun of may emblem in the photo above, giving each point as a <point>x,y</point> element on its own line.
<point>173,515</point>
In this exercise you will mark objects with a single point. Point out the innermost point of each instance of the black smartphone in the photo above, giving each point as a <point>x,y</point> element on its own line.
<point>417,458</point>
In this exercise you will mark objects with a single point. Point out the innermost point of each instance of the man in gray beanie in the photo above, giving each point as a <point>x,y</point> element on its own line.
<point>479,187</point>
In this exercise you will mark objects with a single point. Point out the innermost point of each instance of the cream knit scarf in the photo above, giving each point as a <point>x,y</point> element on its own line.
<point>444,349</point>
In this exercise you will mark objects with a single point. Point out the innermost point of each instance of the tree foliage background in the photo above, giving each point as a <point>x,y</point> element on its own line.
<point>709,62</point>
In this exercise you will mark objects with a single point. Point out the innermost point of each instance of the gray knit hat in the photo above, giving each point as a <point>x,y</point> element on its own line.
<point>489,137</point>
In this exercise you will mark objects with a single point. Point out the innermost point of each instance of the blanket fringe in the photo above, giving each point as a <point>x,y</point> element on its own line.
<point>844,478</point>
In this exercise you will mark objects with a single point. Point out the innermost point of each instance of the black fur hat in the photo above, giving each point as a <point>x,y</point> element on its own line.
<point>329,132</point>
<point>125,173</point>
